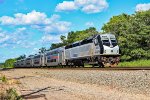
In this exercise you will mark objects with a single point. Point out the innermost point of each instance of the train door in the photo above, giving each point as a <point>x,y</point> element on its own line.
<point>61,57</point>
<point>42,60</point>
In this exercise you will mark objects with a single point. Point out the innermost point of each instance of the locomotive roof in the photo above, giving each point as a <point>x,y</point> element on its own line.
<point>107,34</point>
<point>91,37</point>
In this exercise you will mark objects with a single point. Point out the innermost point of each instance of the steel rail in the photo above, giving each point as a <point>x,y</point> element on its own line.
<point>89,68</point>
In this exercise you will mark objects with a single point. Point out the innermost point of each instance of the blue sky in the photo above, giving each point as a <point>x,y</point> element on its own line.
<point>27,25</point>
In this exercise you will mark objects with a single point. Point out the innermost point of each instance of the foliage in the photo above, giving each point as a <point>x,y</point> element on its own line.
<point>3,79</point>
<point>133,33</point>
<point>21,57</point>
<point>74,36</point>
<point>10,94</point>
<point>137,63</point>
<point>2,65</point>
<point>42,50</point>
<point>9,63</point>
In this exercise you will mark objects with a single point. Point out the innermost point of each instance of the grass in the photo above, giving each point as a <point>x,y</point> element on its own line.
<point>3,79</point>
<point>138,63</point>
<point>5,92</point>
<point>10,94</point>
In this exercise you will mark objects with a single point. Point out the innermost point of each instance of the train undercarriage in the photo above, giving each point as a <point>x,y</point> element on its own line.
<point>101,61</point>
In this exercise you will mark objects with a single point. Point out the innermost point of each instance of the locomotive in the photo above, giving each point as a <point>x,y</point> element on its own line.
<point>100,49</point>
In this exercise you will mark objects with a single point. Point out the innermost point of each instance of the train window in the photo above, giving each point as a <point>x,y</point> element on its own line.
<point>37,56</point>
<point>106,42</point>
<point>28,59</point>
<point>36,62</point>
<point>86,41</point>
<point>76,44</point>
<point>114,42</point>
<point>48,54</point>
<point>90,41</point>
<point>68,46</point>
<point>54,60</point>
<point>51,60</point>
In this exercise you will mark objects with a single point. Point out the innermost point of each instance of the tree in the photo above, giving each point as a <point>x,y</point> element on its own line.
<point>9,63</point>
<point>42,50</point>
<point>74,36</point>
<point>21,57</point>
<point>133,34</point>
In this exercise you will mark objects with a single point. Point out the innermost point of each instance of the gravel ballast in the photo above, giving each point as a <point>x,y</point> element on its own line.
<point>82,84</point>
<point>130,81</point>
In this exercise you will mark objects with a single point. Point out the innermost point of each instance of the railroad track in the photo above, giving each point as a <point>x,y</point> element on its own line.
<point>95,68</point>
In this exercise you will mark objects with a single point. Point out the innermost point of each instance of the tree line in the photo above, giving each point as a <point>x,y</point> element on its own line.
<point>132,32</point>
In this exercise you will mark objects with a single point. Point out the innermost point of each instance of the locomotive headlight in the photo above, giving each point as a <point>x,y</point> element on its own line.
<point>111,50</point>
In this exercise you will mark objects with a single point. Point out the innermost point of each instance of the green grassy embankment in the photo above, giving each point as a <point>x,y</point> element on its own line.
<point>138,63</point>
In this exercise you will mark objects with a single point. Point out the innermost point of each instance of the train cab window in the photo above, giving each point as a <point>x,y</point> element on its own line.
<point>106,42</point>
<point>113,42</point>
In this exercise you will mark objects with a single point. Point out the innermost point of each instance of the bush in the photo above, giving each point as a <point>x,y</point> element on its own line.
<point>3,79</point>
<point>10,94</point>
<point>9,63</point>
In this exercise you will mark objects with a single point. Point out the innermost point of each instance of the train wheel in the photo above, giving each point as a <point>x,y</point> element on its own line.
<point>100,64</point>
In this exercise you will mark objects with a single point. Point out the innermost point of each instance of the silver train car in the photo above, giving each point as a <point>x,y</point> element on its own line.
<point>38,60</point>
<point>22,63</point>
<point>29,62</point>
<point>101,50</point>
<point>55,57</point>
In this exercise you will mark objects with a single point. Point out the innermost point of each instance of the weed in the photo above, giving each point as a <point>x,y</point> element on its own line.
<point>10,94</point>
<point>4,79</point>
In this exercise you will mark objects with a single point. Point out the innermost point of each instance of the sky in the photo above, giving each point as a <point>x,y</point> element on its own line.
<point>27,25</point>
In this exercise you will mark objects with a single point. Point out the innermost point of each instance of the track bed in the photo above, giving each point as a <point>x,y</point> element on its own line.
<point>81,84</point>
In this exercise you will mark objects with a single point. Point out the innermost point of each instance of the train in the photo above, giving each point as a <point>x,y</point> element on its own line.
<point>98,50</point>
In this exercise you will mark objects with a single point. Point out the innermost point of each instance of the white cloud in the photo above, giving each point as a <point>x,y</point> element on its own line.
<point>3,37</point>
<point>21,29</point>
<point>87,6</point>
<point>66,5</point>
<point>59,27</point>
<point>37,20</point>
<point>89,24</point>
<point>143,7</point>
<point>24,19</point>
<point>34,51</point>
<point>18,38</point>
<point>3,45</point>
<point>47,38</point>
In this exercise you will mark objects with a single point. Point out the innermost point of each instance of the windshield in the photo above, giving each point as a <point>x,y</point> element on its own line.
<point>113,42</point>
<point>106,42</point>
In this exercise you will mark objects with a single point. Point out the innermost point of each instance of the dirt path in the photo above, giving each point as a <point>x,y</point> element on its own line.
<point>36,86</point>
